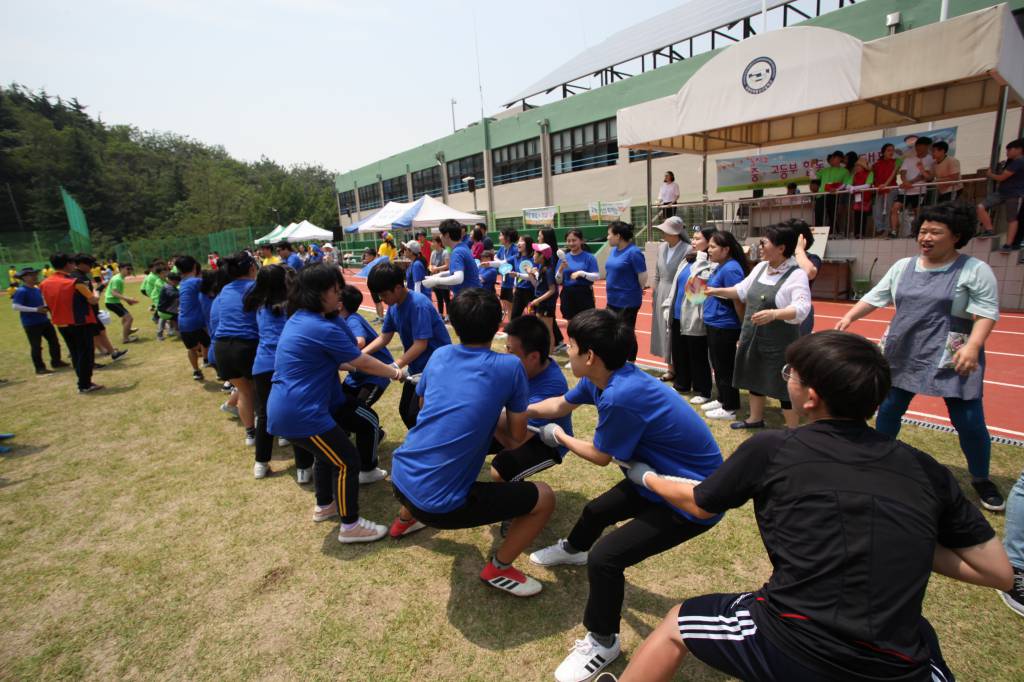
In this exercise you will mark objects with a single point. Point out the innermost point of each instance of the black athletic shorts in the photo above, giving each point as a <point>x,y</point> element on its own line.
<point>486,503</point>
<point>529,458</point>
<point>117,309</point>
<point>235,357</point>
<point>506,294</point>
<point>909,200</point>
<point>718,630</point>
<point>197,338</point>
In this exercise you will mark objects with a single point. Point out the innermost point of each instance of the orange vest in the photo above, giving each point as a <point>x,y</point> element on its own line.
<point>67,306</point>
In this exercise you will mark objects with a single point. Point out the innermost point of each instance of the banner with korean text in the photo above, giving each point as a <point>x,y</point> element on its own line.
<point>800,166</point>
<point>609,211</point>
<point>543,215</point>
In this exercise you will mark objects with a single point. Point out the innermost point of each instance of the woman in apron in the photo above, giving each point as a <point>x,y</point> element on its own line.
<point>946,306</point>
<point>670,255</point>
<point>777,298</point>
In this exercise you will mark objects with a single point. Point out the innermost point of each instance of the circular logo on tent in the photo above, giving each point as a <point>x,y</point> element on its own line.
<point>759,75</point>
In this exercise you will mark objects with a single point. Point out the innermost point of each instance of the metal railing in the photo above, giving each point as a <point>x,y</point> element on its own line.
<point>850,213</point>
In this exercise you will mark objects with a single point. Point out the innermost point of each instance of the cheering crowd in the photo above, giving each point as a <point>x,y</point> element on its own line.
<point>838,503</point>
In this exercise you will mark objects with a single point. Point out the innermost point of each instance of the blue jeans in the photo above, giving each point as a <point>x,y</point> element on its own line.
<point>968,417</point>
<point>1014,540</point>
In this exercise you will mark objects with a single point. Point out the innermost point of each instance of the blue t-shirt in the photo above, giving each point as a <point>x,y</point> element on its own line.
<point>718,312</point>
<point>642,419</point>
<point>360,327</point>
<point>549,384</point>
<point>488,276</point>
<point>622,270</point>
<point>30,297</point>
<point>206,303</point>
<point>462,260</point>
<point>416,272</point>
<point>365,272</point>
<point>1013,186</point>
<point>677,303</point>
<point>416,318</point>
<point>190,310</point>
<point>294,261</point>
<point>584,262</point>
<point>464,390</point>
<point>234,322</point>
<point>307,388</point>
<point>509,254</point>
<point>270,331</point>
<point>212,323</point>
<point>545,281</point>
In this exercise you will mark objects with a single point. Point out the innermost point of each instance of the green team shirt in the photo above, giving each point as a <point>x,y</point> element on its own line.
<point>828,175</point>
<point>116,284</point>
<point>147,284</point>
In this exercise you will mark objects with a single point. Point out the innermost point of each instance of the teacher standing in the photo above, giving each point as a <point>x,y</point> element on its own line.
<point>947,304</point>
<point>626,277</point>
<point>670,254</point>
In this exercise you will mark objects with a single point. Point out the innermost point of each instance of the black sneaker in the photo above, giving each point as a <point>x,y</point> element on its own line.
<point>60,365</point>
<point>1015,597</point>
<point>92,389</point>
<point>989,495</point>
<point>98,365</point>
<point>1006,248</point>
<point>117,355</point>
<point>43,370</point>
<point>198,375</point>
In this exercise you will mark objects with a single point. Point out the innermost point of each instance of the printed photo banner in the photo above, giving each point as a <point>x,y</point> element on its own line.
<point>608,211</point>
<point>800,166</point>
<point>543,215</point>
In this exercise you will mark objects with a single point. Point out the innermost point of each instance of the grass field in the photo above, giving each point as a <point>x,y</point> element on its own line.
<point>136,544</point>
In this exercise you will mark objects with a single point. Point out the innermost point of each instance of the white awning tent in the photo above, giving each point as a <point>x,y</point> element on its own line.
<point>804,82</point>
<point>306,232</point>
<point>271,236</point>
<point>425,212</point>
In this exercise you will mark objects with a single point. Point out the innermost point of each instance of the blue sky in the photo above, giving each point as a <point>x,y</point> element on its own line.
<point>299,81</point>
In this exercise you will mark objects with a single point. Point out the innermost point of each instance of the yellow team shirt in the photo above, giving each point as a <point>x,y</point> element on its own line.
<point>272,260</point>
<point>387,250</point>
<point>47,271</point>
<point>12,282</point>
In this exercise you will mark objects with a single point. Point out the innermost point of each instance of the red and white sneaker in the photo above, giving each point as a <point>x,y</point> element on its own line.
<point>510,580</point>
<point>401,527</point>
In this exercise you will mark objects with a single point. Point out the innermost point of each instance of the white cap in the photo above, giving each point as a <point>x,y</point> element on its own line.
<point>673,225</point>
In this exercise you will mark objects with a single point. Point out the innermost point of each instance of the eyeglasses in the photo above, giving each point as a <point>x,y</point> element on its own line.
<point>787,372</point>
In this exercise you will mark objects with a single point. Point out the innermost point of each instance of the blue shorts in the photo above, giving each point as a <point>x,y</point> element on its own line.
<point>718,630</point>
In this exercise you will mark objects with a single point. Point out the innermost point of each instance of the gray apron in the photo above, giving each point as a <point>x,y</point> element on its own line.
<point>917,338</point>
<point>665,283</point>
<point>761,353</point>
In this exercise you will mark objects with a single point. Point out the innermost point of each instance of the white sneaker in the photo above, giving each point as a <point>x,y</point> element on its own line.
<point>260,470</point>
<point>372,476</point>
<point>555,555</point>
<point>720,414</point>
<point>364,531</point>
<point>230,409</point>
<point>567,365</point>
<point>699,400</point>
<point>250,437</point>
<point>713,405</point>
<point>586,659</point>
<point>283,442</point>
<point>303,476</point>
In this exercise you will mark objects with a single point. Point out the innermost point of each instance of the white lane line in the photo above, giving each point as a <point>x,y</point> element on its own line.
<point>868,319</point>
<point>946,420</point>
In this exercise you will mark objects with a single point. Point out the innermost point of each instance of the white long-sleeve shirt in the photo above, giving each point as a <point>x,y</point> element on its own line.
<point>669,193</point>
<point>795,291</point>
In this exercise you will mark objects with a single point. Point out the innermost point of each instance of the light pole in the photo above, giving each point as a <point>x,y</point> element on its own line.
<point>453,114</point>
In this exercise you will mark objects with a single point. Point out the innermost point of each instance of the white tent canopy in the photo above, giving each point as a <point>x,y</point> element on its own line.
<point>432,213</point>
<point>271,236</point>
<point>382,220</point>
<point>805,82</point>
<point>307,232</point>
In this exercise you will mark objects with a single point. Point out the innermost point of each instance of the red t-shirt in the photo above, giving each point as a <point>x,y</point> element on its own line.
<point>882,169</point>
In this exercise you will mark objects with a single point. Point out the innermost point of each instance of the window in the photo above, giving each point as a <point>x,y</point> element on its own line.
<point>395,189</point>
<point>426,181</point>
<point>588,146</point>
<point>515,222</point>
<point>346,201</point>
<point>369,197</point>
<point>460,168</point>
<point>641,155</point>
<point>518,161</point>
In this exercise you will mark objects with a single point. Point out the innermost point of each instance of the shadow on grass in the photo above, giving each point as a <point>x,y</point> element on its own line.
<point>114,390</point>
<point>7,483</point>
<point>211,386</point>
<point>19,450</point>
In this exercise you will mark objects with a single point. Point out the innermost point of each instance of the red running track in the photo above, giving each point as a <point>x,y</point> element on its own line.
<point>1004,353</point>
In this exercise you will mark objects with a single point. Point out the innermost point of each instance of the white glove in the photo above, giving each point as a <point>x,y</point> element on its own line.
<point>429,282</point>
<point>549,435</point>
<point>638,472</point>
<point>403,372</point>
